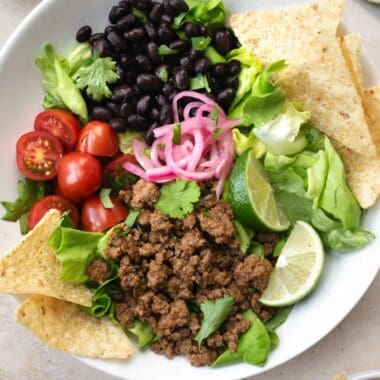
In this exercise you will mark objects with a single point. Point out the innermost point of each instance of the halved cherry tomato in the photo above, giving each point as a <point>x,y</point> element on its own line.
<point>114,168</point>
<point>79,176</point>
<point>61,124</point>
<point>96,218</point>
<point>99,139</point>
<point>37,154</point>
<point>57,202</point>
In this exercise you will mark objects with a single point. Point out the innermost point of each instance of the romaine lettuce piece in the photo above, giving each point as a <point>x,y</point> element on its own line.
<point>243,142</point>
<point>342,240</point>
<point>316,178</point>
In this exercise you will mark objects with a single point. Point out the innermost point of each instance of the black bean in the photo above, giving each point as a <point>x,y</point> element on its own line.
<point>142,5</point>
<point>234,67</point>
<point>118,124</point>
<point>125,3</point>
<point>143,105</point>
<point>193,55</point>
<point>120,72</point>
<point>201,65</point>
<point>130,76</point>
<point>101,46</point>
<point>172,95</point>
<point>156,12</point>
<point>84,33</point>
<point>117,12</point>
<point>225,98</point>
<point>149,137</point>
<point>166,114</point>
<point>137,48</point>
<point>181,79</point>
<point>192,30</point>
<point>168,88</point>
<point>134,35</point>
<point>137,122</point>
<point>159,69</point>
<point>222,41</point>
<point>220,70</point>
<point>149,83</point>
<point>166,33</point>
<point>232,82</point>
<point>166,18</point>
<point>95,37</point>
<point>126,61</point>
<point>114,108</point>
<point>206,31</point>
<point>178,6</point>
<point>109,28</point>
<point>180,45</point>
<point>172,60</point>
<point>126,23</point>
<point>186,63</point>
<point>125,110</point>
<point>151,32</point>
<point>117,42</point>
<point>138,92</point>
<point>101,113</point>
<point>153,53</point>
<point>122,93</point>
<point>154,114</point>
<point>143,63</point>
<point>213,83</point>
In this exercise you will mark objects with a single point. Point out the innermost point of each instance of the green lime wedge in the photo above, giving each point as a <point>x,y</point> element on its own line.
<point>298,267</point>
<point>251,196</point>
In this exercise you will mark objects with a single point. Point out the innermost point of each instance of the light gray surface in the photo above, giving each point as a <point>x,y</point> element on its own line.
<point>353,346</point>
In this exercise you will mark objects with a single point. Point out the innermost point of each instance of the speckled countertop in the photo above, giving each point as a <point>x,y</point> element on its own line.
<point>352,347</point>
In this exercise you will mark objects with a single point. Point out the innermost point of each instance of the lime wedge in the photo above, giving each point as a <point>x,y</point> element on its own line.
<point>298,268</point>
<point>251,196</point>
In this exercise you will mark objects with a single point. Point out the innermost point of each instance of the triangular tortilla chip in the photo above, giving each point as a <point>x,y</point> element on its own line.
<point>317,74</point>
<point>351,47</point>
<point>61,325</point>
<point>371,104</point>
<point>32,268</point>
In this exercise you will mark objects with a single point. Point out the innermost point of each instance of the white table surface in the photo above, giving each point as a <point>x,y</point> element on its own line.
<point>352,347</point>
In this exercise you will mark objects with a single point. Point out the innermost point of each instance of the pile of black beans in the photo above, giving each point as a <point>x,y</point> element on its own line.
<point>141,100</point>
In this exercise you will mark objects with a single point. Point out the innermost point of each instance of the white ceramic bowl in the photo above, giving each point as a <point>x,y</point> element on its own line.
<point>346,277</point>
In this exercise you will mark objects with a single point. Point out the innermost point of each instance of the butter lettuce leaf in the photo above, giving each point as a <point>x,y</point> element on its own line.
<point>342,240</point>
<point>243,141</point>
<point>144,333</point>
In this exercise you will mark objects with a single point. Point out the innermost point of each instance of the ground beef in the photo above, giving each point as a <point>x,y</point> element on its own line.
<point>167,265</point>
<point>97,271</point>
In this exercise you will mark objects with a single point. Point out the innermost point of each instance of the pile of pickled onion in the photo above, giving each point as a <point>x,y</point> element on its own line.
<point>197,148</point>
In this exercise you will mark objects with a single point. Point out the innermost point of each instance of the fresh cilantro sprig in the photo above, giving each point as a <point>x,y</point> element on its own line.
<point>177,198</point>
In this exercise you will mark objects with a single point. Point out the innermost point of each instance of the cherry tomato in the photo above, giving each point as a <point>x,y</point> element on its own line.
<point>37,154</point>
<point>63,125</point>
<point>57,202</point>
<point>99,139</point>
<point>115,168</point>
<point>79,175</point>
<point>96,218</point>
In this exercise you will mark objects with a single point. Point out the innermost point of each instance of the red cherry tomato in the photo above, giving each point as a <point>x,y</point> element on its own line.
<point>57,202</point>
<point>79,176</point>
<point>63,125</point>
<point>96,218</point>
<point>37,154</point>
<point>115,168</point>
<point>99,139</point>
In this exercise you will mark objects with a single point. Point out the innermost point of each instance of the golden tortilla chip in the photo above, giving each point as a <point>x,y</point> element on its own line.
<point>32,268</point>
<point>317,74</point>
<point>371,104</point>
<point>351,46</point>
<point>61,325</point>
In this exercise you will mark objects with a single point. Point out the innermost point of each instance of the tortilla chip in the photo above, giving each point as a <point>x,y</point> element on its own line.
<point>32,268</point>
<point>317,74</point>
<point>371,104</point>
<point>351,46</point>
<point>61,325</point>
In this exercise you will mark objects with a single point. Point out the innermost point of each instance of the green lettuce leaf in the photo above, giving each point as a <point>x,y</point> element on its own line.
<point>245,57</point>
<point>75,250</point>
<point>254,345</point>
<point>283,135</point>
<point>245,236</point>
<point>316,178</point>
<point>342,240</point>
<point>126,138</point>
<point>336,198</point>
<point>144,333</point>
<point>78,57</point>
<point>279,318</point>
<point>295,207</point>
<point>215,312</point>
<point>213,56</point>
<point>242,142</point>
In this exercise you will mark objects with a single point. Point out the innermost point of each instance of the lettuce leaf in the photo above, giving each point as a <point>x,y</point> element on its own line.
<point>342,240</point>
<point>242,142</point>
<point>244,234</point>
<point>144,333</point>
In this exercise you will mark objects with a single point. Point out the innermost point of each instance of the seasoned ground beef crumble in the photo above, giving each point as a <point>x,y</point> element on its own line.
<point>165,263</point>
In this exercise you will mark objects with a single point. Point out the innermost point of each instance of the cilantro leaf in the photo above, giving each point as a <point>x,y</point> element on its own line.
<point>29,192</point>
<point>215,313</point>
<point>96,77</point>
<point>177,198</point>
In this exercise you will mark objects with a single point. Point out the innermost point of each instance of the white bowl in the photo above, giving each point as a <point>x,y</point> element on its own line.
<point>346,277</point>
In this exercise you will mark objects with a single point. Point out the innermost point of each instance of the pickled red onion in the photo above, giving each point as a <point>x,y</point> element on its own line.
<point>205,151</point>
